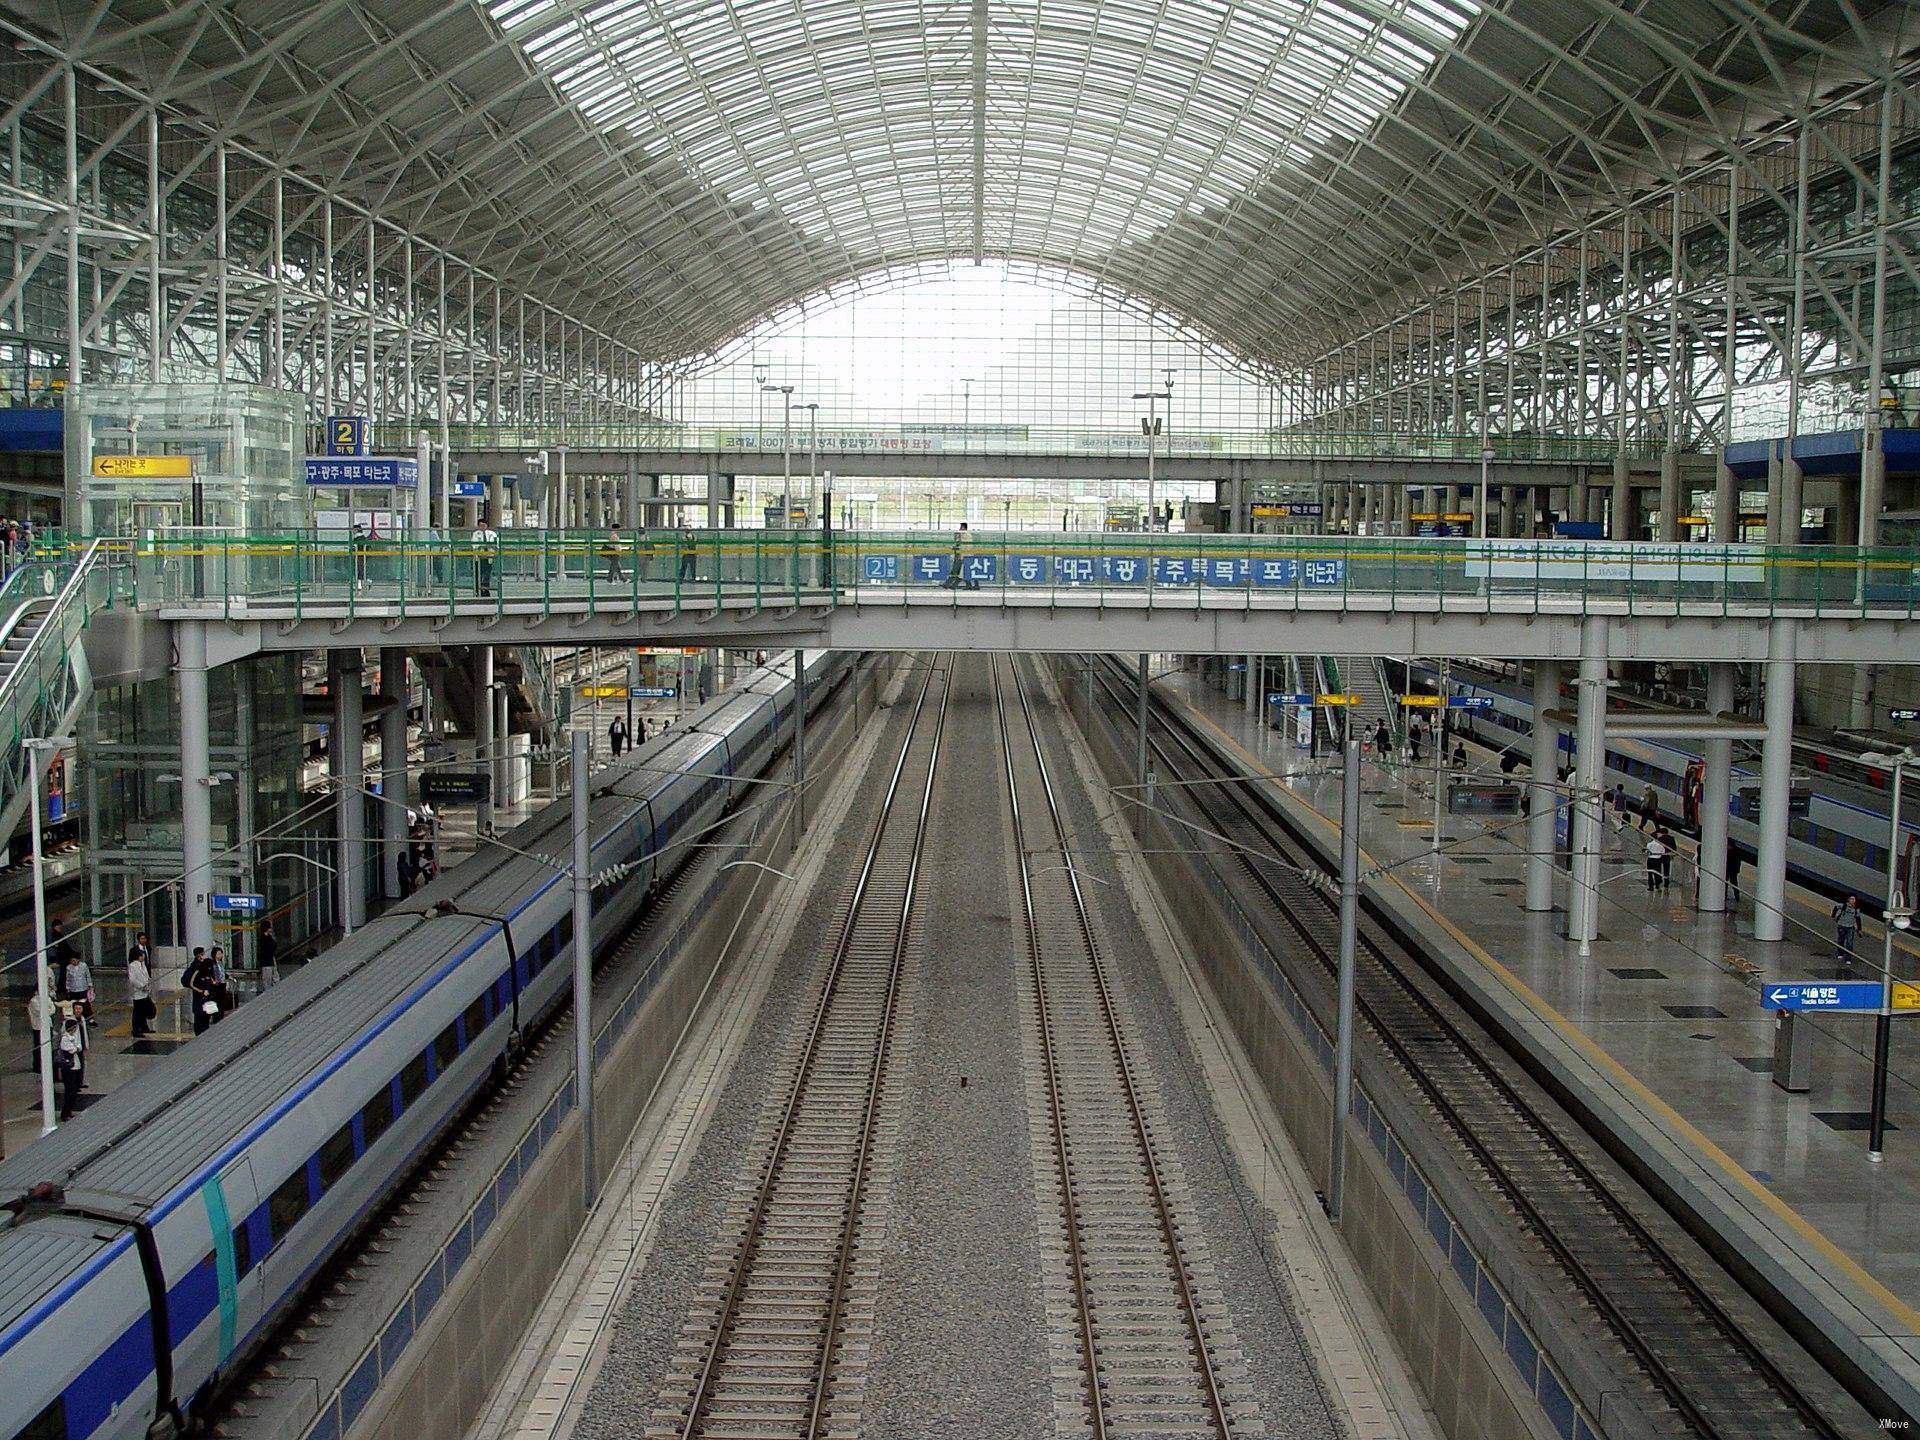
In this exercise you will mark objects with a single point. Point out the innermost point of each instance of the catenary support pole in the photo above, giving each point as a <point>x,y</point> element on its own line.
<point>1589,749</point>
<point>1140,749</point>
<point>1349,944</point>
<point>583,968</point>
<point>393,768</point>
<point>1716,770</point>
<point>196,780</point>
<point>1542,789</point>
<point>1776,774</point>
<point>37,760</point>
<point>799,741</point>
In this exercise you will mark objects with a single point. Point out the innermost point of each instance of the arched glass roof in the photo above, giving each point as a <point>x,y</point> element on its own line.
<point>1270,171</point>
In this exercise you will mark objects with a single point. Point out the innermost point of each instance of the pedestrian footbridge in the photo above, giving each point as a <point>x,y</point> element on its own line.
<point>1025,590</point>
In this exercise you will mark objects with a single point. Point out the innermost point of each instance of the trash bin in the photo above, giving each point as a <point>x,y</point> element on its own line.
<point>1792,1055</point>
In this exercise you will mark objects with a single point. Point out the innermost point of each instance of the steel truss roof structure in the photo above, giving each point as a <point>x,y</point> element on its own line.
<point>1265,169</point>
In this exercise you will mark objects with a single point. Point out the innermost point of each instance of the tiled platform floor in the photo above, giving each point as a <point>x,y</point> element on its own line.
<point>1659,995</point>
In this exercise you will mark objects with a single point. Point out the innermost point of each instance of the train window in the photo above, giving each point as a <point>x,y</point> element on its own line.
<point>288,1204</point>
<point>336,1156</point>
<point>413,1080</point>
<point>49,1424</point>
<point>1854,848</point>
<point>376,1116</point>
<point>242,1249</point>
<point>446,1048</point>
<point>476,1018</point>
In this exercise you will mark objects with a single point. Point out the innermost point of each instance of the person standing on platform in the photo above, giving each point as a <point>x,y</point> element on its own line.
<point>485,541</point>
<point>617,736</point>
<point>197,980</point>
<point>1664,837</point>
<point>267,946</point>
<point>76,977</point>
<point>689,553</point>
<point>140,986</point>
<point>615,575</point>
<point>1416,735</point>
<point>1846,930</point>
<point>407,870</point>
<point>222,980</point>
<point>70,1064</point>
<point>1649,809</point>
<point>1656,859</point>
<point>1382,740</point>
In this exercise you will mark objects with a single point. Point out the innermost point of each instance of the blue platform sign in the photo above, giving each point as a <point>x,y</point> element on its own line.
<point>348,435</point>
<point>1823,995</point>
<point>1469,702</point>
<point>931,567</point>
<point>652,692</point>
<point>469,490</point>
<point>1280,697</point>
<point>1027,569</point>
<point>396,472</point>
<point>1899,713</point>
<point>236,904</point>
<point>882,567</point>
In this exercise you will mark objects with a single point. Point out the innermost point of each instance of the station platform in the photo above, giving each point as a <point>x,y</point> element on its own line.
<point>1666,1007</point>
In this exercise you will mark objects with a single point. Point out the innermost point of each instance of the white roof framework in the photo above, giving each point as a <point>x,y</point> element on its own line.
<point>678,169</point>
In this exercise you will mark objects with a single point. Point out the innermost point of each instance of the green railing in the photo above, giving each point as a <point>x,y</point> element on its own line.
<point>539,571</point>
<point>59,590</point>
<point>983,439</point>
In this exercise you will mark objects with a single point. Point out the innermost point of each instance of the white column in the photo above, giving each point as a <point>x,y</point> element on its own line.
<point>1792,501</point>
<point>196,794</point>
<point>1620,523</point>
<point>630,499</point>
<point>393,768</point>
<point>1590,748</point>
<point>1726,505</point>
<point>350,810</point>
<point>1542,792</point>
<point>1776,771</point>
<point>483,739</point>
<point>1670,494</point>
<point>1717,761</point>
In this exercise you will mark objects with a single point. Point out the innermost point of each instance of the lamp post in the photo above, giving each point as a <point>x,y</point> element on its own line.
<point>786,452</point>
<point>1486,461</point>
<point>812,408</point>
<point>38,752</point>
<point>1151,428</point>
<point>1897,916</point>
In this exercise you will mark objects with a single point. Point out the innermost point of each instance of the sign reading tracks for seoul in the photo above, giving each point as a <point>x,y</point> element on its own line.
<point>1838,995</point>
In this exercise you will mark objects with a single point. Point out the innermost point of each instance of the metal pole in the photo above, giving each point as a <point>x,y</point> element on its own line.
<point>583,969</point>
<point>1349,944</point>
<point>1776,774</point>
<point>393,768</point>
<point>1439,756</point>
<point>1883,1023</point>
<point>799,742</point>
<point>196,793</point>
<point>1486,458</point>
<point>1150,438</point>
<point>1716,771</point>
<point>1589,749</point>
<point>1140,749</point>
<point>37,752</point>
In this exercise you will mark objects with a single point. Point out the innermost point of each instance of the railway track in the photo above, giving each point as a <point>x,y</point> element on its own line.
<point>1699,1368</point>
<point>1143,1341</point>
<point>777,1342</point>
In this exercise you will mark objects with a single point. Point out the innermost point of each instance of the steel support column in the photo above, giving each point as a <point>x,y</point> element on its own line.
<point>1717,758</point>
<point>347,743</point>
<point>1776,771</point>
<point>1590,746</point>
<point>393,768</point>
<point>196,781</point>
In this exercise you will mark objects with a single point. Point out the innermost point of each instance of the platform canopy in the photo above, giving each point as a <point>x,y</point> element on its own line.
<point>1259,169</point>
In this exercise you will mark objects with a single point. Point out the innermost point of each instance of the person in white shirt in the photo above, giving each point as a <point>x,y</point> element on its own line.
<point>140,986</point>
<point>70,1064</point>
<point>486,540</point>
<point>1656,861</point>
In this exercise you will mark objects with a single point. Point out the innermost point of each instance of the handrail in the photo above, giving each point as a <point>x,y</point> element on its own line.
<point>29,656</point>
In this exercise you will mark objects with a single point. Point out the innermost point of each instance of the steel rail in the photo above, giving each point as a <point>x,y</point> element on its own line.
<point>1202,1359</point>
<point>748,1246</point>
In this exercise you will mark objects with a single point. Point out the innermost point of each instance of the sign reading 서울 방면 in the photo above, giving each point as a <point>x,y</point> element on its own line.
<point>143,467</point>
<point>1605,562</point>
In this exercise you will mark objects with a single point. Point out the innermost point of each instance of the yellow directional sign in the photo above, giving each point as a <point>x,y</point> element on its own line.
<point>604,692</point>
<point>1336,699</point>
<point>1425,515</point>
<point>1691,520</point>
<point>1421,702</point>
<point>1457,517</point>
<point>1906,997</point>
<point>143,467</point>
